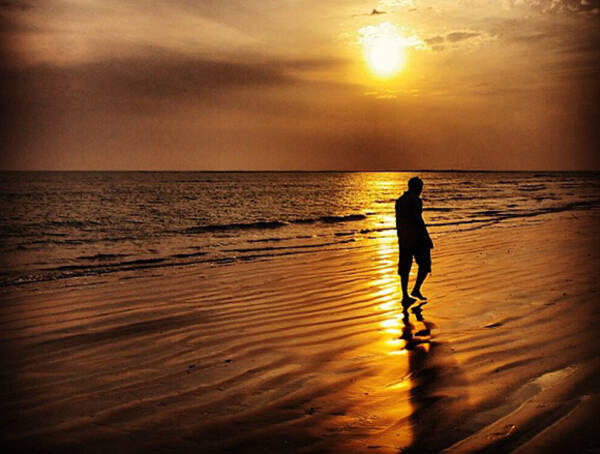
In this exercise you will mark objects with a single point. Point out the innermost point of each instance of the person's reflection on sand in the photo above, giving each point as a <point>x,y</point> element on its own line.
<point>437,390</point>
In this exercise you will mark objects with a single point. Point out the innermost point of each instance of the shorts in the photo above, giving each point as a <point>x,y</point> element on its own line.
<point>422,257</point>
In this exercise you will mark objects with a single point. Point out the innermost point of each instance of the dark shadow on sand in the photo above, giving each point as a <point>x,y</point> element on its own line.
<point>438,387</point>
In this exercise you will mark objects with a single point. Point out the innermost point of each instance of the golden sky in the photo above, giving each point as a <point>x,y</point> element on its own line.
<point>300,84</point>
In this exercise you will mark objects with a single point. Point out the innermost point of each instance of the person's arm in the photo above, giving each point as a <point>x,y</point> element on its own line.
<point>419,216</point>
<point>424,226</point>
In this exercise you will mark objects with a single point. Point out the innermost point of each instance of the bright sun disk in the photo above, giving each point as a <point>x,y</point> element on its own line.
<point>385,57</point>
<point>384,48</point>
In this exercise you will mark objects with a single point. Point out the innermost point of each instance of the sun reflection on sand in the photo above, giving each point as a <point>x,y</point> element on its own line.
<point>383,402</point>
<point>385,395</point>
<point>389,285</point>
<point>390,322</point>
<point>379,401</point>
<point>405,340</point>
<point>414,364</point>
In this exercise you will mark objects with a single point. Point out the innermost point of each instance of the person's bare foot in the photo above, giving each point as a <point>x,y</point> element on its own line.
<point>407,301</point>
<point>419,295</point>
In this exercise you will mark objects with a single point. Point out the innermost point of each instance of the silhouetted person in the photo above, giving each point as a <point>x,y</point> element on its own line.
<point>413,240</point>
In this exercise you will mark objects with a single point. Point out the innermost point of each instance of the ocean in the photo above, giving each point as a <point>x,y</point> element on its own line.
<point>66,225</point>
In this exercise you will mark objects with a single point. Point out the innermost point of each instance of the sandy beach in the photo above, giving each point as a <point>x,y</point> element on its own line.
<point>312,352</point>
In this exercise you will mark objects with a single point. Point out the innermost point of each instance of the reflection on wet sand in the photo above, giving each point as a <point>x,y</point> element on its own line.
<point>434,385</point>
<point>437,410</point>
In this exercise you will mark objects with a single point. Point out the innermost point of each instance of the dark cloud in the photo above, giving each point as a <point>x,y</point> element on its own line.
<point>374,12</point>
<point>461,36</point>
<point>565,5</point>
<point>153,77</point>
<point>15,5</point>
<point>531,37</point>
<point>435,40</point>
<point>568,49</point>
<point>577,68</point>
<point>79,106</point>
<point>551,35</point>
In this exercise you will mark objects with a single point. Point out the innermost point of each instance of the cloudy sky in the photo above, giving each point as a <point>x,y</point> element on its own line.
<point>300,84</point>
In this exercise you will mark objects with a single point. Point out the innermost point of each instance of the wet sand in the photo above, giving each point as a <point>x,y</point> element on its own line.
<point>312,353</point>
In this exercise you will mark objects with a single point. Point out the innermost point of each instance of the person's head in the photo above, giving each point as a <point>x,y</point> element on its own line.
<point>415,185</point>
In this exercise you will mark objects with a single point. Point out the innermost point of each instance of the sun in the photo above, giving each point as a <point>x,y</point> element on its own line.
<point>385,56</point>
<point>384,49</point>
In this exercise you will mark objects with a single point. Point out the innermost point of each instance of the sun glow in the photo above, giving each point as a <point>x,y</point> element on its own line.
<point>385,57</point>
<point>384,48</point>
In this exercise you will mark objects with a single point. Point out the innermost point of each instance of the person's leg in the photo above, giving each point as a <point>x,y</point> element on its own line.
<point>416,291</point>
<point>404,282</point>
<point>423,259</point>
<point>404,265</point>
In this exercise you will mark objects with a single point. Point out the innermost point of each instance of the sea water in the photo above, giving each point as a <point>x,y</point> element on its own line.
<point>63,225</point>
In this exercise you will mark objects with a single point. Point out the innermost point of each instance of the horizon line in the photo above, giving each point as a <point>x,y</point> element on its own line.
<point>308,171</point>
